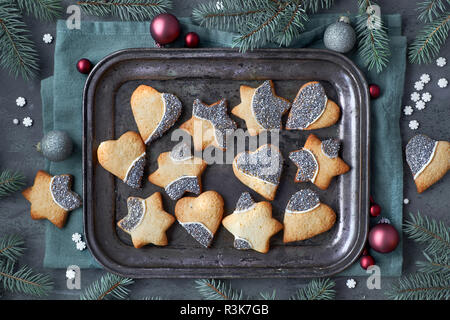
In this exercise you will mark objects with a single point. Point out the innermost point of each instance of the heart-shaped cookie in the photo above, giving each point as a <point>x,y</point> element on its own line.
<point>201,216</point>
<point>154,112</point>
<point>428,160</point>
<point>305,216</point>
<point>124,158</point>
<point>260,170</point>
<point>312,109</point>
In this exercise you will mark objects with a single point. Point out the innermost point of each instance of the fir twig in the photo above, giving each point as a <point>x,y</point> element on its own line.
<point>291,23</point>
<point>11,247</point>
<point>314,6</point>
<point>24,280</point>
<point>107,287</point>
<point>229,14</point>
<point>317,289</point>
<point>211,289</point>
<point>420,286</point>
<point>268,295</point>
<point>429,40</point>
<point>45,10</point>
<point>137,10</point>
<point>373,45</point>
<point>438,264</point>
<point>10,182</point>
<point>17,52</point>
<point>431,9</point>
<point>429,231</point>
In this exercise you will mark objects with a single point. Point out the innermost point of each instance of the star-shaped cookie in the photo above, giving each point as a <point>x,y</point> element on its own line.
<point>146,222</point>
<point>178,172</point>
<point>252,224</point>
<point>261,108</point>
<point>209,125</point>
<point>51,198</point>
<point>318,162</point>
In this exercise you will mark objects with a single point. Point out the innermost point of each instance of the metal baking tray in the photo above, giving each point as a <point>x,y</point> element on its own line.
<point>211,74</point>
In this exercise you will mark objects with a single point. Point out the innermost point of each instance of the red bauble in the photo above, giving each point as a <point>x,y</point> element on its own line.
<point>374,91</point>
<point>191,40</point>
<point>375,210</point>
<point>366,261</point>
<point>383,238</point>
<point>165,28</point>
<point>84,66</point>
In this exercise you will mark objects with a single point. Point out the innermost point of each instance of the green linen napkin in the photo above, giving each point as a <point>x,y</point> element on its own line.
<point>62,104</point>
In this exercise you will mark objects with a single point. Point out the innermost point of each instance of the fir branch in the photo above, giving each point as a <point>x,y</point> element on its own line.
<point>10,181</point>
<point>108,286</point>
<point>136,10</point>
<point>438,264</point>
<point>217,290</point>
<point>291,24</point>
<point>314,6</point>
<point>428,231</point>
<point>24,280</point>
<point>17,52</point>
<point>11,247</point>
<point>317,289</point>
<point>429,40</point>
<point>268,296</point>
<point>373,45</point>
<point>431,9</point>
<point>420,286</point>
<point>230,14</point>
<point>44,10</point>
<point>258,32</point>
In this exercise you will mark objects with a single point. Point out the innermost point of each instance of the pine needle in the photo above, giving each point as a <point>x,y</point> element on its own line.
<point>314,6</point>
<point>217,290</point>
<point>44,10</point>
<point>17,52</point>
<point>292,24</point>
<point>428,231</point>
<point>429,40</point>
<point>135,10</point>
<point>268,295</point>
<point>431,9</point>
<point>24,280</point>
<point>229,14</point>
<point>11,247</point>
<point>109,286</point>
<point>437,264</point>
<point>10,182</point>
<point>421,286</point>
<point>317,289</point>
<point>373,45</point>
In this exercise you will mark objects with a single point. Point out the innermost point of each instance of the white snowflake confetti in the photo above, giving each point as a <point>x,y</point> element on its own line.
<point>415,96</point>
<point>20,101</point>
<point>219,5</point>
<point>442,83</point>
<point>418,85</point>
<point>70,274</point>
<point>16,121</point>
<point>27,122</point>
<point>426,97</point>
<point>408,110</point>
<point>420,105</point>
<point>406,201</point>
<point>414,124</point>
<point>81,245</point>
<point>351,283</point>
<point>385,220</point>
<point>441,61</point>
<point>425,78</point>
<point>76,237</point>
<point>47,38</point>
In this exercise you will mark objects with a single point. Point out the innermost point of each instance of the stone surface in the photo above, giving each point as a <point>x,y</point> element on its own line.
<point>18,153</point>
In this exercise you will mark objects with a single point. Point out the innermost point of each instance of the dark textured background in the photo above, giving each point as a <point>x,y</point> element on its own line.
<point>17,153</point>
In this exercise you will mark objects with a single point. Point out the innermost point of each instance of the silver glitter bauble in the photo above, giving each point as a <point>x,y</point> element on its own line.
<point>340,36</point>
<point>56,145</point>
